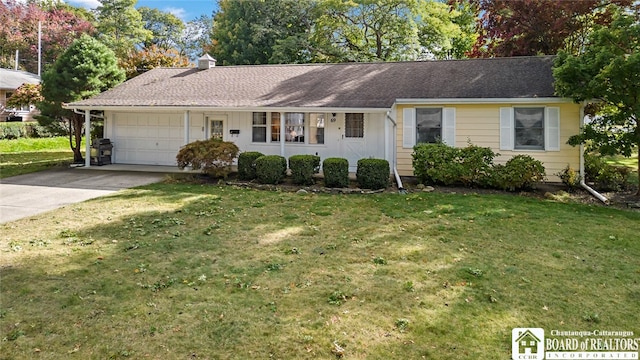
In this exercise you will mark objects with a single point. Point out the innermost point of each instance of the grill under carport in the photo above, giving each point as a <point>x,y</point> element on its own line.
<point>101,150</point>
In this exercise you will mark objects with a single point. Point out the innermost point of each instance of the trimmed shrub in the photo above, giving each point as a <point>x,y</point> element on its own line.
<point>373,173</point>
<point>442,164</point>
<point>247,164</point>
<point>336,172</point>
<point>436,164</point>
<point>214,157</point>
<point>271,169</point>
<point>519,173</point>
<point>303,167</point>
<point>476,165</point>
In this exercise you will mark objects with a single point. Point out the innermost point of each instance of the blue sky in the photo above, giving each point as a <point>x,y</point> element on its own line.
<point>185,9</point>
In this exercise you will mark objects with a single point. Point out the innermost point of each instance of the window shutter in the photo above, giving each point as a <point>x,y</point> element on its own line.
<point>408,128</point>
<point>552,129</point>
<point>449,126</point>
<point>506,128</point>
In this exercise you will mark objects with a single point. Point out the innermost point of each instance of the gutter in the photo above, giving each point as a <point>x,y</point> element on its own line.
<point>401,189</point>
<point>583,184</point>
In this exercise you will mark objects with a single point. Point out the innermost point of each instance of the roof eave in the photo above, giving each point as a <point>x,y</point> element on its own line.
<point>530,100</point>
<point>140,108</point>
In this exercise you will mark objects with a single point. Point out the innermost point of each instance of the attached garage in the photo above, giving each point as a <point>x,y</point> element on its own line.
<point>145,138</point>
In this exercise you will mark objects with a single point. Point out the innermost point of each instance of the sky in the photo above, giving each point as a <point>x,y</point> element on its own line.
<point>185,9</point>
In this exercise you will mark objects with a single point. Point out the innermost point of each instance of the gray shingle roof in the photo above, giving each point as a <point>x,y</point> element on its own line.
<point>12,79</point>
<point>349,85</point>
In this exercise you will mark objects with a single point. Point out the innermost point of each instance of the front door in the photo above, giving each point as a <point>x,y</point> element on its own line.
<point>216,126</point>
<point>352,141</point>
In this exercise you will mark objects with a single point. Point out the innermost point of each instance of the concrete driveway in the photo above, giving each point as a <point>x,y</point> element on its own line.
<point>31,194</point>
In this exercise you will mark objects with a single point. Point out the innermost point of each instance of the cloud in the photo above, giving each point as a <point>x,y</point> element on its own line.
<point>177,12</point>
<point>89,4</point>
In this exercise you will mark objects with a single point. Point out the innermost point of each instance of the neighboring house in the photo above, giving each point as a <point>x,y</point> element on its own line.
<point>10,80</point>
<point>350,110</point>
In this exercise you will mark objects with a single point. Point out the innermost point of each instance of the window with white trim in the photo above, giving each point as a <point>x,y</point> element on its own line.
<point>425,125</point>
<point>428,125</point>
<point>259,130</point>
<point>530,128</point>
<point>275,127</point>
<point>316,128</point>
<point>294,127</point>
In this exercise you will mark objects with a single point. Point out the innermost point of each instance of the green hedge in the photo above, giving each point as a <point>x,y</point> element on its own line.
<point>373,173</point>
<point>442,164</point>
<point>16,130</point>
<point>271,169</point>
<point>247,164</point>
<point>336,172</point>
<point>520,172</point>
<point>303,167</point>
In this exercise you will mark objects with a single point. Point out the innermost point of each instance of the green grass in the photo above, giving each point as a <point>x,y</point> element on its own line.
<point>27,155</point>
<point>201,271</point>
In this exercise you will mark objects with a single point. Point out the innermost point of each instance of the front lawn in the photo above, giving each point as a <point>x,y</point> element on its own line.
<point>216,272</point>
<point>27,155</point>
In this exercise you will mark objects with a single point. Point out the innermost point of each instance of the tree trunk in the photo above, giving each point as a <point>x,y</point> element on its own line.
<point>75,137</point>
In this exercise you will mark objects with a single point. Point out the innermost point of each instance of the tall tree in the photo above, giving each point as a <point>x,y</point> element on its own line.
<point>608,71</point>
<point>19,31</point>
<point>195,39</point>
<point>120,26</point>
<point>247,31</point>
<point>151,57</point>
<point>447,31</point>
<point>367,30</point>
<point>165,28</point>
<point>531,27</point>
<point>85,69</point>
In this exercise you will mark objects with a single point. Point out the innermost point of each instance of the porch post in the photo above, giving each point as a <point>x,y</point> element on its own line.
<point>282,134</point>
<point>187,125</point>
<point>87,138</point>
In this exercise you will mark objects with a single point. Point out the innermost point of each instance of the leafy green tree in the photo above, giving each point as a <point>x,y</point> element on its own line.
<point>391,30</point>
<point>165,28</point>
<point>608,71</point>
<point>366,30</point>
<point>85,69</point>
<point>261,32</point>
<point>120,26</point>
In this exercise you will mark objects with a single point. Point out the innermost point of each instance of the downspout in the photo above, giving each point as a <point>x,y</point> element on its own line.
<point>401,189</point>
<point>583,184</point>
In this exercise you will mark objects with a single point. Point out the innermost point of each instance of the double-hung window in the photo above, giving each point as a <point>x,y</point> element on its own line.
<point>294,127</point>
<point>259,130</point>
<point>316,128</point>
<point>530,128</point>
<point>275,127</point>
<point>428,125</point>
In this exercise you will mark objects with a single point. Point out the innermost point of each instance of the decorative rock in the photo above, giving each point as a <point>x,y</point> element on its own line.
<point>302,191</point>
<point>420,186</point>
<point>428,189</point>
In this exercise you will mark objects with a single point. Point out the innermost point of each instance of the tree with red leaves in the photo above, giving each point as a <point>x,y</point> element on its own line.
<point>533,27</point>
<point>19,31</point>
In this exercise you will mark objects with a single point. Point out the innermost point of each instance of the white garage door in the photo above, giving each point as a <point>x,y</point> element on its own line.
<point>147,139</point>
